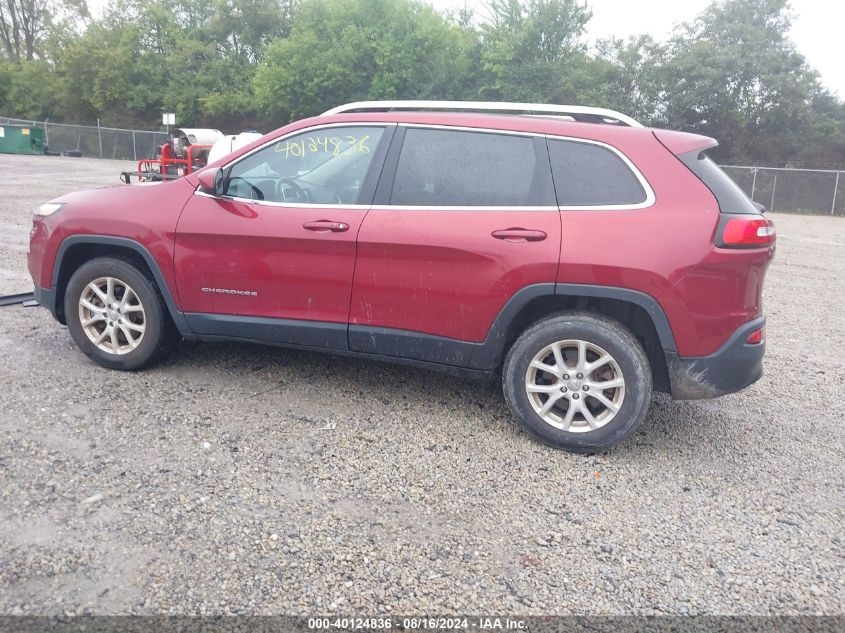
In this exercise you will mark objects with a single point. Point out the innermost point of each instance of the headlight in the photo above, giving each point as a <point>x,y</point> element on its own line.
<point>48,208</point>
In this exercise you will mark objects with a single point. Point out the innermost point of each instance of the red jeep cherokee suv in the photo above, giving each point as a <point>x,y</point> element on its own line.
<point>587,258</point>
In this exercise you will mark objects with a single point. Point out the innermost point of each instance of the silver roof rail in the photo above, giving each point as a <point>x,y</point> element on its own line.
<point>577,113</point>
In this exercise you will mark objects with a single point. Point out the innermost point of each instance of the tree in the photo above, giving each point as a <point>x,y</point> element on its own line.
<point>192,58</point>
<point>347,50</point>
<point>243,28</point>
<point>109,74</point>
<point>28,89</point>
<point>533,50</point>
<point>24,24</point>
<point>734,74</point>
<point>627,75</point>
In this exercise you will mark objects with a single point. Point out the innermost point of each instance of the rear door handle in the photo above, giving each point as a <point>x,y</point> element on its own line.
<point>519,235</point>
<point>324,226</point>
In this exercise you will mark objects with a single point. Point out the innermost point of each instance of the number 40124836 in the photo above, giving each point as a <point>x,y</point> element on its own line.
<point>335,145</point>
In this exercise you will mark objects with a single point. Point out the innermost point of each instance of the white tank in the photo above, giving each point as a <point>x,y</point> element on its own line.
<point>181,138</point>
<point>229,143</point>
<point>197,135</point>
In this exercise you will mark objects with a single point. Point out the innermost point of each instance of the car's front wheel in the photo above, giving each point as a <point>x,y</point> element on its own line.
<point>115,314</point>
<point>579,381</point>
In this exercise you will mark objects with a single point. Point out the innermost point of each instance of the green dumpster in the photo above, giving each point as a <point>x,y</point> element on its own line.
<point>18,139</point>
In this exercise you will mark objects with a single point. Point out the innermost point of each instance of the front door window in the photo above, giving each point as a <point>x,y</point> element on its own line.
<point>318,167</point>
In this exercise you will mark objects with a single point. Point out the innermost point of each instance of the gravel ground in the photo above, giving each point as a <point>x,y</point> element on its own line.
<point>241,479</point>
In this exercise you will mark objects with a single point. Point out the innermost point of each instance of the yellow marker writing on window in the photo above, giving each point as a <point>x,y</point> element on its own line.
<point>334,145</point>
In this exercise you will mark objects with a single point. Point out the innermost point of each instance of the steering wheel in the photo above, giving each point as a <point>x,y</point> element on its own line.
<point>302,194</point>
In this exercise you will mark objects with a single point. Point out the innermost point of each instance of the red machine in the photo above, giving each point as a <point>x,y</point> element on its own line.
<point>185,152</point>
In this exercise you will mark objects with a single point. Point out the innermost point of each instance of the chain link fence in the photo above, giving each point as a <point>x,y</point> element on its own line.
<point>810,191</point>
<point>96,141</point>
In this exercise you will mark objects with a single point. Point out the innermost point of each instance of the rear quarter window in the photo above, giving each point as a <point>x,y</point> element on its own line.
<point>586,174</point>
<point>728,194</point>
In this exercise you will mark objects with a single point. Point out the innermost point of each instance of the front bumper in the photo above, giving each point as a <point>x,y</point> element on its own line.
<point>731,368</point>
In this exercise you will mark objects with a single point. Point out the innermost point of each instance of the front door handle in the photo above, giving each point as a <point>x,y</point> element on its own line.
<point>325,226</point>
<point>519,235</point>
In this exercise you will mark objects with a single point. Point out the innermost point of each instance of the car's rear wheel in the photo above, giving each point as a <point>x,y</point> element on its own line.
<point>115,314</point>
<point>578,381</point>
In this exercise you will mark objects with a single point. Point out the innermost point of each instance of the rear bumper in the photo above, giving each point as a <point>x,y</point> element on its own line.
<point>47,298</point>
<point>731,368</point>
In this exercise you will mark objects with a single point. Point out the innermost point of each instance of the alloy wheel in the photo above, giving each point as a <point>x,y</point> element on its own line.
<point>575,386</point>
<point>112,315</point>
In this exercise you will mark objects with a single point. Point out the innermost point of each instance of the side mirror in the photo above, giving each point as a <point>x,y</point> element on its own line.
<point>211,181</point>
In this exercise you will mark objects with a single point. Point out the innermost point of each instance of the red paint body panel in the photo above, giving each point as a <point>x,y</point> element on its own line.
<point>296,273</point>
<point>437,272</point>
<point>667,251</point>
<point>146,214</point>
<point>720,293</point>
<point>442,272</point>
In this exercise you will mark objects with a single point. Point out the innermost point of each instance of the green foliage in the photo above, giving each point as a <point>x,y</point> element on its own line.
<point>243,28</point>
<point>629,77</point>
<point>344,50</point>
<point>26,89</point>
<point>533,50</point>
<point>108,74</point>
<point>735,73</point>
<point>26,26</point>
<point>732,73</point>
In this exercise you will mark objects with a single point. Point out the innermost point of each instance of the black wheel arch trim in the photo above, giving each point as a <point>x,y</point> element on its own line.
<point>487,355</point>
<point>121,242</point>
<point>643,300</point>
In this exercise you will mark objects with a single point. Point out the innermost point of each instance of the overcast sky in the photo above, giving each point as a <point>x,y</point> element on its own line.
<point>817,32</point>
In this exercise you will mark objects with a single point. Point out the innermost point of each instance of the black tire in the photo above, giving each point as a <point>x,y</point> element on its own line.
<point>158,335</point>
<point>597,330</point>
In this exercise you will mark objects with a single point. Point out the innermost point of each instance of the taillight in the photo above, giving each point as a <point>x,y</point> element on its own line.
<point>745,231</point>
<point>756,337</point>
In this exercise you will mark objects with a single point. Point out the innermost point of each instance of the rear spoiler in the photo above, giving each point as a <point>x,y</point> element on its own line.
<point>682,142</point>
<point>689,149</point>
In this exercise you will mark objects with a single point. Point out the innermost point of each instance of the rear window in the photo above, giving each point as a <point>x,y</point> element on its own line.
<point>728,194</point>
<point>458,168</point>
<point>586,174</point>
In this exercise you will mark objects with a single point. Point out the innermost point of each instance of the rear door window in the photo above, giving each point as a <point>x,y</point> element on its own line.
<point>462,168</point>
<point>590,175</point>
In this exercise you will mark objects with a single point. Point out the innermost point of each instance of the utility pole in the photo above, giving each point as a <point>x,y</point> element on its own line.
<point>774,186</point>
